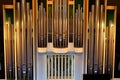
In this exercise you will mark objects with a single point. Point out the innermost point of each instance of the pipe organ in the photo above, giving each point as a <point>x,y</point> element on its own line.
<point>60,40</point>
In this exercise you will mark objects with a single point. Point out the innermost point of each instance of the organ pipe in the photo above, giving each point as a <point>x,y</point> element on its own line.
<point>19,42</point>
<point>29,42</point>
<point>90,54</point>
<point>96,37</point>
<point>100,46</point>
<point>23,24</point>
<point>92,35</point>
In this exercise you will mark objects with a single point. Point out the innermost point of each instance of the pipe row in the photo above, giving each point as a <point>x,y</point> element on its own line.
<point>78,28</point>
<point>96,39</point>
<point>109,50</point>
<point>42,27</point>
<point>9,46</point>
<point>60,24</point>
<point>24,40</point>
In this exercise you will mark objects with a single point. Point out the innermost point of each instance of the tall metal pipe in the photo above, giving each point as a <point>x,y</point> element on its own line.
<point>81,27</point>
<point>42,23</point>
<point>6,47</point>
<point>39,24</point>
<point>13,51</point>
<point>60,17</point>
<point>29,42</point>
<point>92,35</point>
<point>65,22</point>
<point>89,53</point>
<point>23,24</point>
<point>45,29</point>
<point>9,48</point>
<point>76,28</point>
<point>100,46</point>
<point>19,42</point>
<point>96,37</point>
<point>110,47</point>
<point>106,51</point>
<point>31,48</point>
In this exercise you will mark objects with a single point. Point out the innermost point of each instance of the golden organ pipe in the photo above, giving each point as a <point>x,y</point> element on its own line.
<point>89,55</point>
<point>9,44</point>
<point>60,17</point>
<point>19,42</point>
<point>110,53</point>
<point>31,34</point>
<point>6,46</point>
<point>92,34</point>
<point>28,33</point>
<point>42,25</point>
<point>13,51</point>
<point>23,24</point>
<point>106,49</point>
<point>96,36</point>
<point>39,24</point>
<point>101,39</point>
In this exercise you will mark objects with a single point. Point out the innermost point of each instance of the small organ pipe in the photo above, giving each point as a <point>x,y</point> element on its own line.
<point>81,27</point>
<point>39,24</point>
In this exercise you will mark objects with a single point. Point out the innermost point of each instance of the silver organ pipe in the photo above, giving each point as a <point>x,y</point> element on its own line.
<point>96,39</point>
<point>60,23</point>
<point>65,23</point>
<point>42,27</point>
<point>24,26</point>
<point>78,28</point>
<point>91,40</point>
